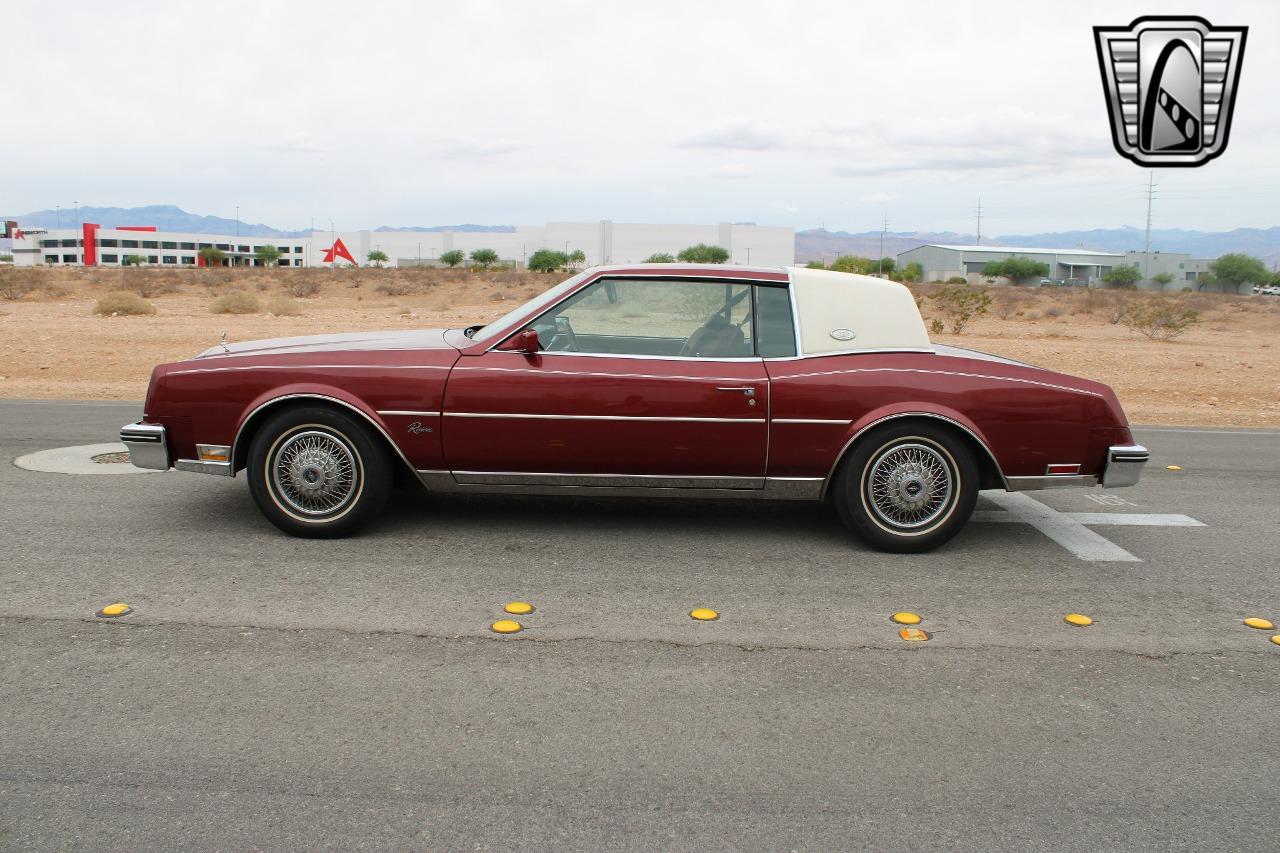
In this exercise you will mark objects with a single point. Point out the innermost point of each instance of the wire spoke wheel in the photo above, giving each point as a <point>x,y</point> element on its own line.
<point>315,473</point>
<point>909,486</point>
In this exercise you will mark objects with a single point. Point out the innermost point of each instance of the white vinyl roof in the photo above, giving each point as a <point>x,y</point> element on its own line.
<point>880,314</point>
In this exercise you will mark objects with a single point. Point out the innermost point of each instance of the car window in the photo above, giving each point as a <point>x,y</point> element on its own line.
<point>653,317</point>
<point>775,327</point>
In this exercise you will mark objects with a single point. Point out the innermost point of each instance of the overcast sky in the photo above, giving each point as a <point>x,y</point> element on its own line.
<point>790,113</point>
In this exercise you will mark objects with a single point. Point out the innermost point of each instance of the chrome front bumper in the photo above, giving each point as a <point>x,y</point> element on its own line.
<point>1124,465</point>
<point>148,447</point>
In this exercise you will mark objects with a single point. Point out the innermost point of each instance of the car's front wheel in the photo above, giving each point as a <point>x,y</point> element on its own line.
<point>907,488</point>
<point>318,472</point>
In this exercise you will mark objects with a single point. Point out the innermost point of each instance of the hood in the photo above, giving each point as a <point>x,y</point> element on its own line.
<point>351,342</point>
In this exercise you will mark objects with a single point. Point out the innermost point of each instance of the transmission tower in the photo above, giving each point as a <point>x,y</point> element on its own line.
<point>1146,249</point>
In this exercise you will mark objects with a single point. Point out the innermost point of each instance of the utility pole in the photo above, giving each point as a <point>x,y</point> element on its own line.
<point>1146,251</point>
<point>57,209</point>
<point>237,220</point>
<point>884,227</point>
<point>978,239</point>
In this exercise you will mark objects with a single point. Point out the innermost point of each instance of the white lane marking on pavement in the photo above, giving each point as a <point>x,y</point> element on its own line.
<point>1059,527</point>
<point>1247,432</point>
<point>1135,519</point>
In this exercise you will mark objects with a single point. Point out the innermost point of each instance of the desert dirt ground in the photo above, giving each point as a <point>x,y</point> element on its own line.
<point>1224,371</point>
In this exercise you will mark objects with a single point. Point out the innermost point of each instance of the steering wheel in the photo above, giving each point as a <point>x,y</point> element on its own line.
<point>562,338</point>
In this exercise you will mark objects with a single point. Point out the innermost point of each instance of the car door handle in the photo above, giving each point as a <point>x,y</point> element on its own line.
<point>742,389</point>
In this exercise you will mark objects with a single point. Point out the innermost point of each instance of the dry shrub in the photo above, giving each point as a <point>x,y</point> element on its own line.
<point>15,285</point>
<point>123,303</point>
<point>217,281</point>
<point>283,306</point>
<point>1030,315</point>
<point>1053,311</point>
<point>149,285</point>
<point>53,290</point>
<point>394,288</point>
<point>235,302</point>
<point>301,288</point>
<point>1161,319</point>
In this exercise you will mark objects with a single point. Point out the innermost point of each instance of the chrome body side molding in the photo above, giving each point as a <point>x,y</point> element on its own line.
<point>1050,481</point>
<point>199,466</point>
<point>623,485</point>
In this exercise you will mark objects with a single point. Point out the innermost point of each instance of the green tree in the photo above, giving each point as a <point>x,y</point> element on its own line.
<point>913,271</point>
<point>377,257</point>
<point>484,258</point>
<point>134,260</point>
<point>211,256</point>
<point>704,254</point>
<point>1016,270</point>
<point>815,265</point>
<point>854,264</point>
<point>886,266</point>
<point>452,258</point>
<point>1125,275</point>
<point>660,258</point>
<point>267,256</point>
<point>577,257</point>
<point>1237,269</point>
<point>547,260</point>
<point>1163,278</point>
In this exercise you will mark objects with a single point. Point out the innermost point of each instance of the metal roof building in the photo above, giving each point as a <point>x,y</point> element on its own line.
<point>1081,267</point>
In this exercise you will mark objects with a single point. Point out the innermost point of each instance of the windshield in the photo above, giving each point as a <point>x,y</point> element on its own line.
<point>533,306</point>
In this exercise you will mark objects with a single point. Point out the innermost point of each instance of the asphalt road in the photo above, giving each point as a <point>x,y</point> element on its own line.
<point>278,693</point>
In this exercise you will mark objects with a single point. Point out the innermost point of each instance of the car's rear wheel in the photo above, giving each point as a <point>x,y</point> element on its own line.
<point>318,472</point>
<point>907,488</point>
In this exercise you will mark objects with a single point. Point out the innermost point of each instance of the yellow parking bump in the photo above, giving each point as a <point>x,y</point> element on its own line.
<point>704,614</point>
<point>1173,467</point>
<point>519,608</point>
<point>506,626</point>
<point>1077,619</point>
<point>906,617</point>
<point>1275,638</point>
<point>113,610</point>
<point>1259,623</point>
<point>913,635</point>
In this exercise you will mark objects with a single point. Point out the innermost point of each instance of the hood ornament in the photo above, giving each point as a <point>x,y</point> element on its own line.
<point>223,342</point>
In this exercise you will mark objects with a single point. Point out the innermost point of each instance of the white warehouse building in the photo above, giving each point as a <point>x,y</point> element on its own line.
<point>601,242</point>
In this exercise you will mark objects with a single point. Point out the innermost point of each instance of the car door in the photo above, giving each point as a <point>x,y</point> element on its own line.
<point>641,382</point>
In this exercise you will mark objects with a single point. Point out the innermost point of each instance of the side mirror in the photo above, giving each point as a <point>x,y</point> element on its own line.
<point>525,341</point>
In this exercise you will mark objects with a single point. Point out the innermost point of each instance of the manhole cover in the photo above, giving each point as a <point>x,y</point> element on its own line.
<point>111,458</point>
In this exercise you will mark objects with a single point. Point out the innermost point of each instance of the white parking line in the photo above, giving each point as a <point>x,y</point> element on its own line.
<point>1069,529</point>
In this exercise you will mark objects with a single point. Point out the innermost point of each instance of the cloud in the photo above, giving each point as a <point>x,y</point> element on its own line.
<point>737,134</point>
<point>298,142</point>
<point>475,149</point>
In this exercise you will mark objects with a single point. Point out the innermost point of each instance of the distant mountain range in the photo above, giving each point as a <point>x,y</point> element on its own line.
<point>812,244</point>
<point>1264,243</point>
<point>168,217</point>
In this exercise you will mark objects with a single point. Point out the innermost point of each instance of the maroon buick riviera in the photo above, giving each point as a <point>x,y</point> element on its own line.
<point>663,380</point>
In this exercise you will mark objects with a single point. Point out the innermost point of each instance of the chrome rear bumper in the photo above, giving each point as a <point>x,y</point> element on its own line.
<point>1124,465</point>
<point>148,447</point>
